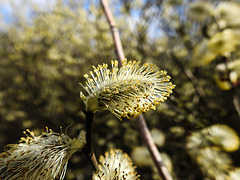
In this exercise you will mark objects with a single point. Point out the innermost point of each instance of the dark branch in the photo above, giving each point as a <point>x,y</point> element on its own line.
<point>88,149</point>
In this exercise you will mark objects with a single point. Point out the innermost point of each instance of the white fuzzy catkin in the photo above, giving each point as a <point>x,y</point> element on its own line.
<point>126,91</point>
<point>39,157</point>
<point>115,165</point>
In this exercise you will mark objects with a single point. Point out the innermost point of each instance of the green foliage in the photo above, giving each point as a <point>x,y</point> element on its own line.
<point>43,59</point>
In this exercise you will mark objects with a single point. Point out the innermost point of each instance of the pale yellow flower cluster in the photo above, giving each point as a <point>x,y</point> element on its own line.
<point>115,165</point>
<point>126,91</point>
<point>39,157</point>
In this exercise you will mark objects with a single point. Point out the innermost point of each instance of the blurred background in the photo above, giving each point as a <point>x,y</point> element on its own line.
<point>47,46</point>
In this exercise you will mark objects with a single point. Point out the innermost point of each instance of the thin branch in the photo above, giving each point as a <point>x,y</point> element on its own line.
<point>114,30</point>
<point>141,121</point>
<point>236,99</point>
<point>152,148</point>
<point>88,149</point>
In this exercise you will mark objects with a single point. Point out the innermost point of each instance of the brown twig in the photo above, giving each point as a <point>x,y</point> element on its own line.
<point>141,121</point>
<point>152,148</point>
<point>114,30</point>
<point>88,149</point>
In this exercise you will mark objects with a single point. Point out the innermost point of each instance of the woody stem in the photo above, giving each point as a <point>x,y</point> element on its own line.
<point>88,149</point>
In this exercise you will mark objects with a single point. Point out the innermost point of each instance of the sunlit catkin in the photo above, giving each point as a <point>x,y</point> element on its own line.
<point>39,157</point>
<point>115,165</point>
<point>126,91</point>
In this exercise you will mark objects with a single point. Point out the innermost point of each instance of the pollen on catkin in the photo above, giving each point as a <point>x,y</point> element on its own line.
<point>126,91</point>
<point>39,157</point>
<point>115,165</point>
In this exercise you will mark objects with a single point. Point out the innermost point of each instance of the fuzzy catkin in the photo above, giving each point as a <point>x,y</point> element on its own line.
<point>126,91</point>
<point>115,165</point>
<point>39,157</point>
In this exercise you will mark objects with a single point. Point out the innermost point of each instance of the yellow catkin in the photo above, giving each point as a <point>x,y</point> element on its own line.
<point>141,88</point>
